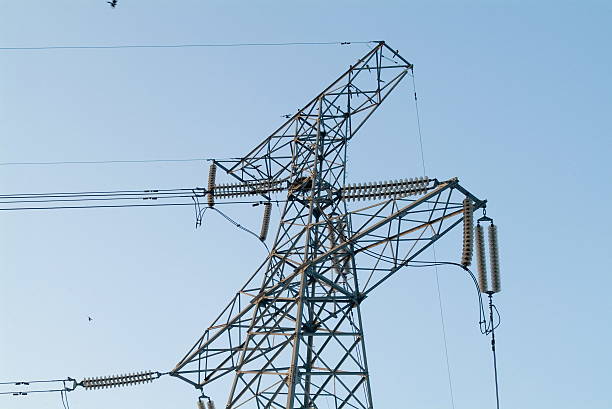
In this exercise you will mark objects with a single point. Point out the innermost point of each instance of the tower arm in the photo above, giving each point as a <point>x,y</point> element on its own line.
<point>338,112</point>
<point>394,233</point>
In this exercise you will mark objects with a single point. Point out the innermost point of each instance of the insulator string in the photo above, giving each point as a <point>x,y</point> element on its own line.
<point>387,189</point>
<point>114,381</point>
<point>480,259</point>
<point>468,232</point>
<point>212,174</point>
<point>265,223</point>
<point>494,259</point>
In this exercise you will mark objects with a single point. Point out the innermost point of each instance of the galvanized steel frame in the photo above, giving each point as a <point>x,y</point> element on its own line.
<point>295,338</point>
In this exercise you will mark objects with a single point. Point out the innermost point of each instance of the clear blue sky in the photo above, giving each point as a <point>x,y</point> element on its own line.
<point>515,100</point>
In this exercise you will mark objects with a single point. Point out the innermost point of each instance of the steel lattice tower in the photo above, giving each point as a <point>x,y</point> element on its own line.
<point>292,336</point>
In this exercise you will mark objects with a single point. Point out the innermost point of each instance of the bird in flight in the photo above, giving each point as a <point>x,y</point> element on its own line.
<point>90,319</point>
<point>113,3</point>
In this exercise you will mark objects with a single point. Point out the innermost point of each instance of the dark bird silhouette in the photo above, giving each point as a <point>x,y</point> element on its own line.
<point>113,3</point>
<point>90,319</point>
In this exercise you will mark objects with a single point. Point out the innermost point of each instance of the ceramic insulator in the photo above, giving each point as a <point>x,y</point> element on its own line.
<point>481,259</point>
<point>265,223</point>
<point>119,380</point>
<point>212,175</point>
<point>468,232</point>
<point>494,259</point>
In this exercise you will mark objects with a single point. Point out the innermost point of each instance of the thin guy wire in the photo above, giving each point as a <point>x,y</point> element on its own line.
<point>123,46</point>
<point>433,247</point>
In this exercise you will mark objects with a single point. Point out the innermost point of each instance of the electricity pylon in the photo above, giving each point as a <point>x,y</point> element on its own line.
<point>292,336</point>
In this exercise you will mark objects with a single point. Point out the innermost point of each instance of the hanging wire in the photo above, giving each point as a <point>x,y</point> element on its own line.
<point>64,397</point>
<point>199,211</point>
<point>485,326</point>
<point>235,223</point>
<point>491,307</point>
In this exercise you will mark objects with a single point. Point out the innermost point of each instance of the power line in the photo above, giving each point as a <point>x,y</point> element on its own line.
<point>95,193</point>
<point>27,200</point>
<point>88,162</point>
<point>97,206</point>
<point>94,206</point>
<point>209,45</point>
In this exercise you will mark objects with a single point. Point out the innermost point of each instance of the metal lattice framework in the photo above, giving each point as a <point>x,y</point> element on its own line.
<point>292,336</point>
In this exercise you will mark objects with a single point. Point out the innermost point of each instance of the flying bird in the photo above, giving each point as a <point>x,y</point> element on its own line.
<point>90,319</point>
<point>113,3</point>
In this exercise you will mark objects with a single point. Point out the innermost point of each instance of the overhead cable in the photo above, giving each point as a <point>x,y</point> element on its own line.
<point>100,162</point>
<point>192,45</point>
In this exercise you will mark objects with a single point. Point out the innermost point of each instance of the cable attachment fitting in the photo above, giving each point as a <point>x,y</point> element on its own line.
<point>209,402</point>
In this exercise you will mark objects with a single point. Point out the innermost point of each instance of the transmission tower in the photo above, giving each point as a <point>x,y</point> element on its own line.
<point>293,336</point>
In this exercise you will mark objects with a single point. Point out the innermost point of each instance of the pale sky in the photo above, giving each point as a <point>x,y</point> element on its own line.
<point>515,100</point>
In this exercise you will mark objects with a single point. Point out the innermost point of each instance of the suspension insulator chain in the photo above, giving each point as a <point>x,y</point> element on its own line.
<point>212,174</point>
<point>494,259</point>
<point>468,232</point>
<point>265,223</point>
<point>481,259</point>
